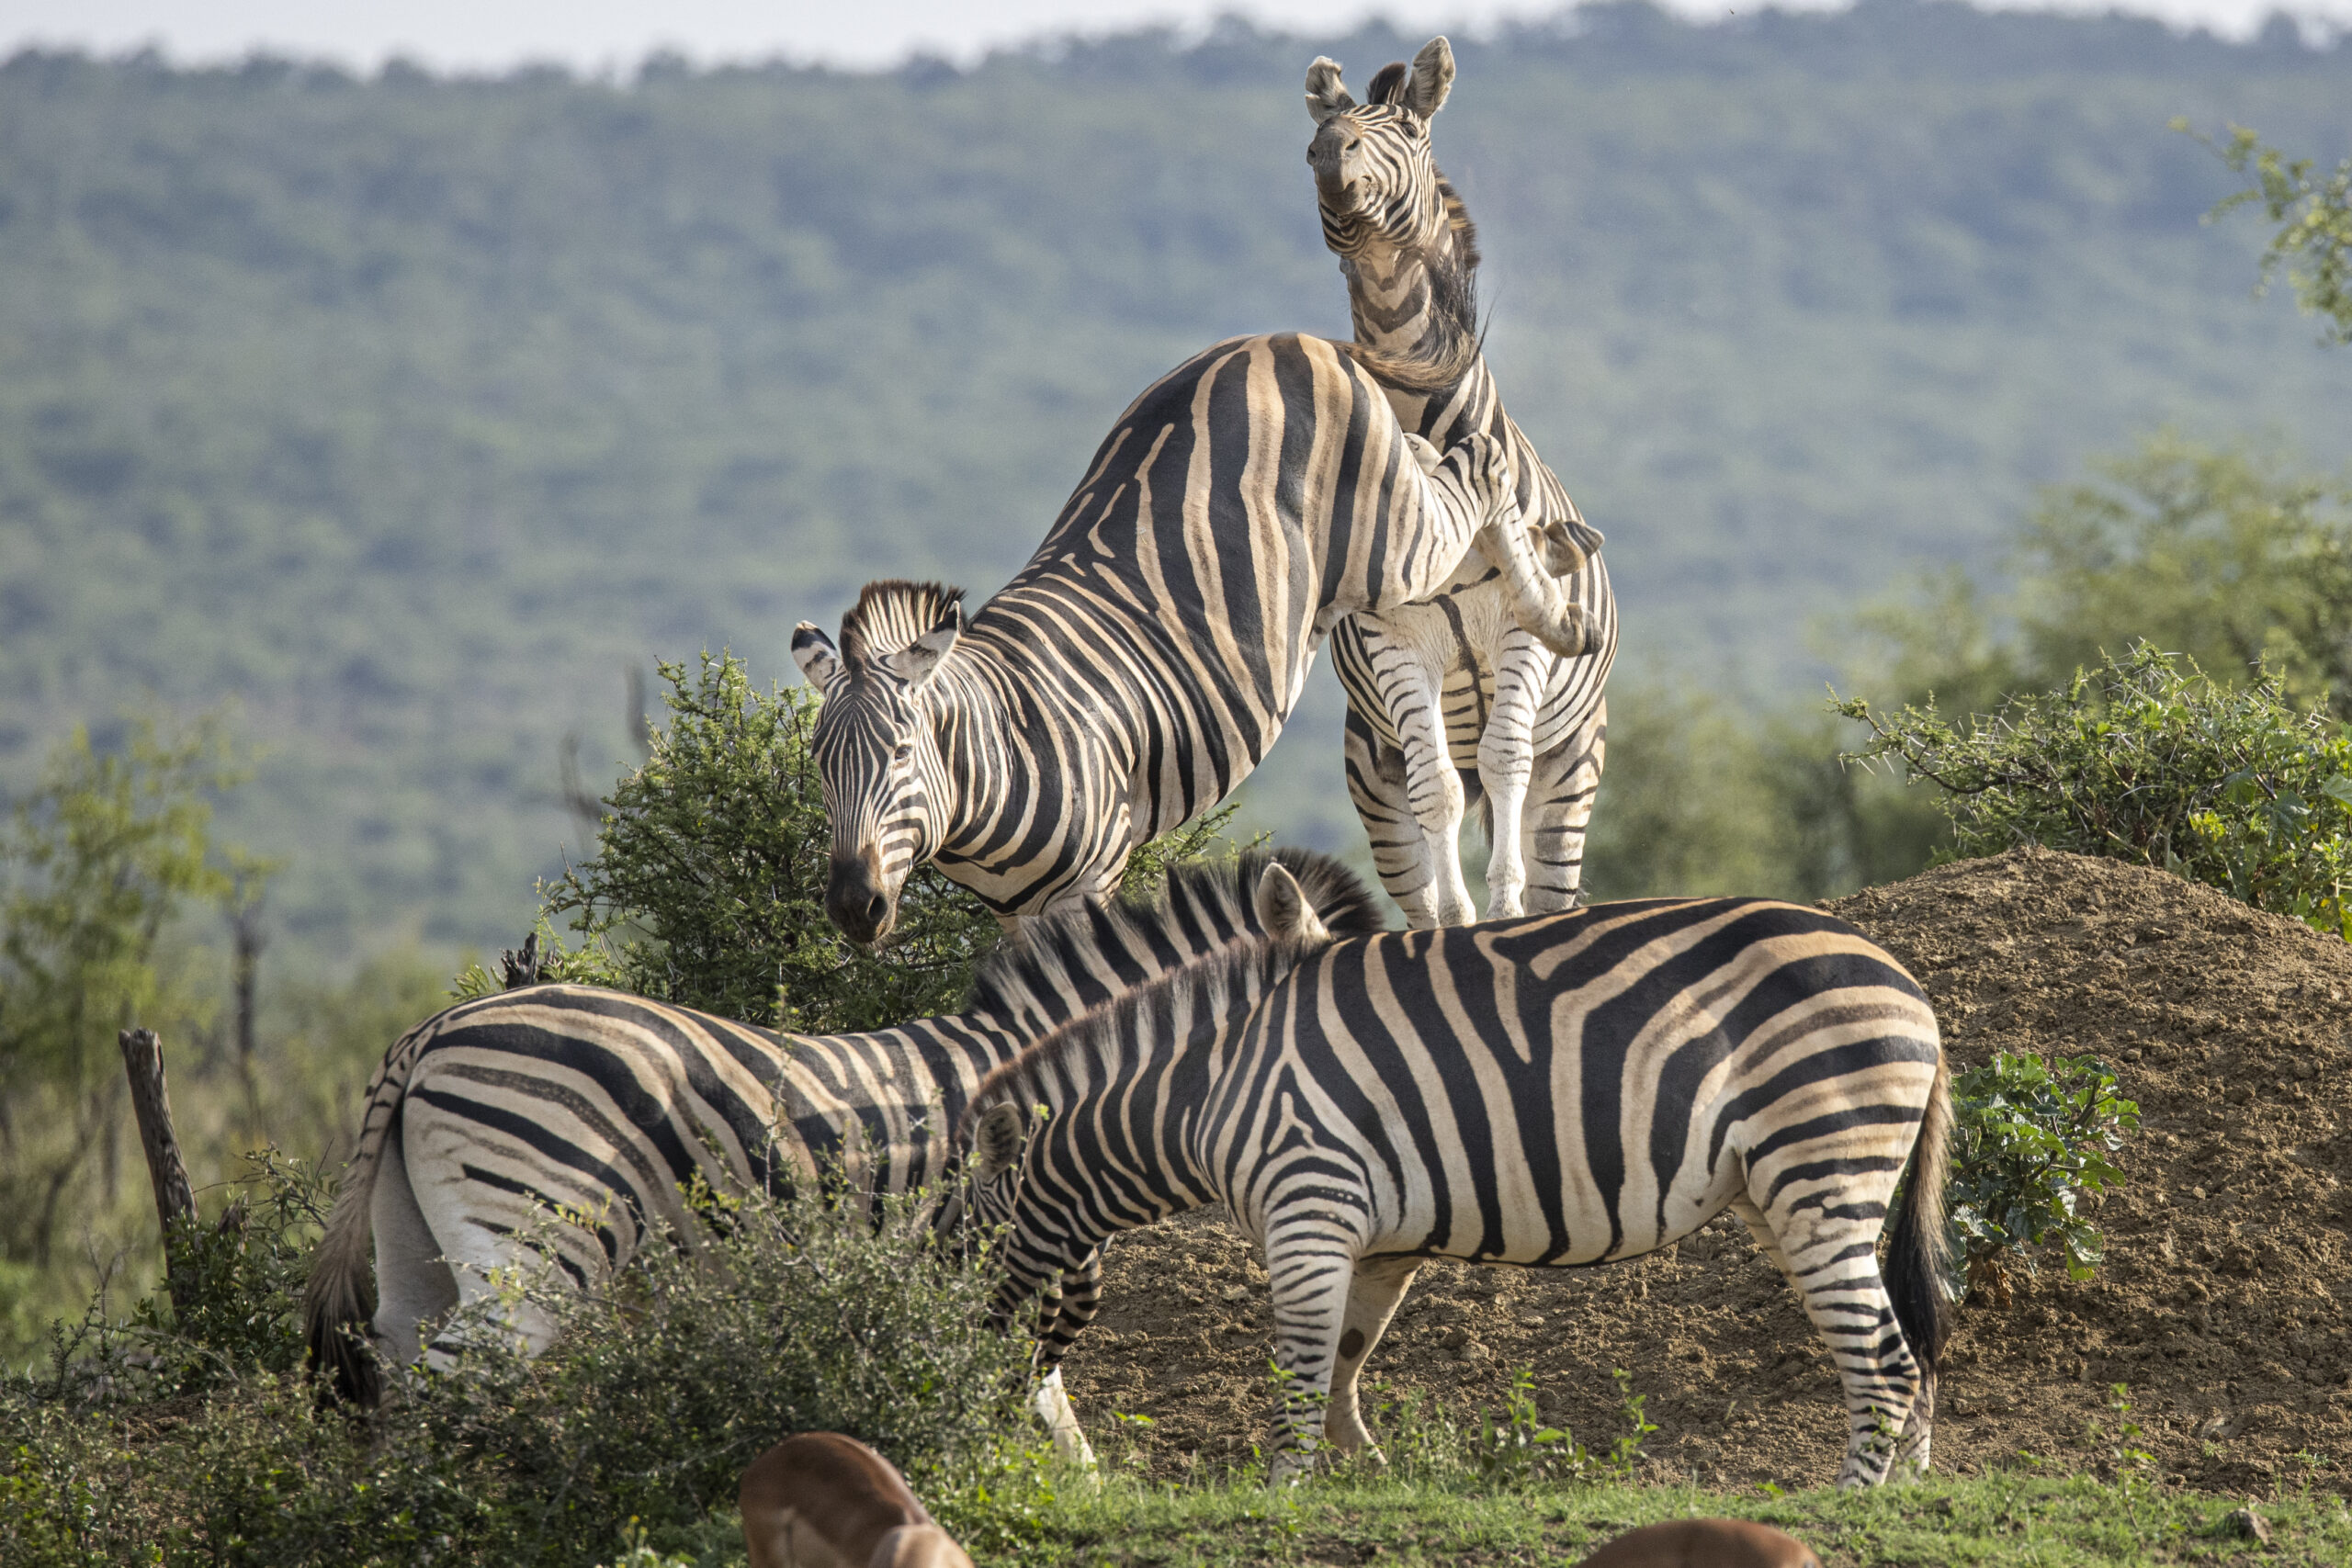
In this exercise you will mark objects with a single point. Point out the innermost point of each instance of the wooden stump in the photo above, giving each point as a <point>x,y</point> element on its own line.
<point>142,1059</point>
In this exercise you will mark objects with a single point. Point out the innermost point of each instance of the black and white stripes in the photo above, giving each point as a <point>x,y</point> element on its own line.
<point>1564,1090</point>
<point>486,1119</point>
<point>1144,662</point>
<point>1452,691</point>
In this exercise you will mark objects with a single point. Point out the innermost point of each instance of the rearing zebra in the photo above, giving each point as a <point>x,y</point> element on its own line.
<point>486,1118</point>
<point>1561,1089</point>
<point>1145,659</point>
<point>1455,686</point>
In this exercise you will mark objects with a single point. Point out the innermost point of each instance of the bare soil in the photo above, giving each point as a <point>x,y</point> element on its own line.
<point>2221,1302</point>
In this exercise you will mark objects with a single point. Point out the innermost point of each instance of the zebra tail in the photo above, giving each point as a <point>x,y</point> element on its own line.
<point>339,1298</point>
<point>1918,1257</point>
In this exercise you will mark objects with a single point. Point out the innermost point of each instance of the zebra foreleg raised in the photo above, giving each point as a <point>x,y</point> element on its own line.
<point>1372,1294</point>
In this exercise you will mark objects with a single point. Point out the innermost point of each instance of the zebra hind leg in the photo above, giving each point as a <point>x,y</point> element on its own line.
<point>1378,1285</point>
<point>1560,808</point>
<point>1506,760</point>
<point>1833,1264</point>
<point>1377,785</point>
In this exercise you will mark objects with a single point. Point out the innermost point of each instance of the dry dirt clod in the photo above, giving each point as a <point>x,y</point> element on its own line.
<point>2247,1525</point>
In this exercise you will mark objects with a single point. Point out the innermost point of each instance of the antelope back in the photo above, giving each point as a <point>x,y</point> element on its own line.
<point>1704,1543</point>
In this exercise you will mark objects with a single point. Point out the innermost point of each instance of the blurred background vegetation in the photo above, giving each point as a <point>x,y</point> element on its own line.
<point>369,440</point>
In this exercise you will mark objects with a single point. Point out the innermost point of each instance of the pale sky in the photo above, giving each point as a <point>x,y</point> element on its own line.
<point>592,35</point>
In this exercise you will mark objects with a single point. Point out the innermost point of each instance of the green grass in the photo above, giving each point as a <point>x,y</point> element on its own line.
<point>2010,1517</point>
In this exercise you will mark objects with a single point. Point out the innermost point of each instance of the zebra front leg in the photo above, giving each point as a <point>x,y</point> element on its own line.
<point>1559,810</point>
<point>1379,1284</point>
<point>1311,1269</point>
<point>1506,759</point>
<point>1068,1317</point>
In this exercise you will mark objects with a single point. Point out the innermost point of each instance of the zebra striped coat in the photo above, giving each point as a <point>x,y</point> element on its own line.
<point>1561,1089</point>
<point>489,1116</point>
<point>1454,688</point>
<point>1145,658</point>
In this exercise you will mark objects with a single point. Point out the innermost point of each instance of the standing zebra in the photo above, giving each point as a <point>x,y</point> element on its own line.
<point>1145,659</point>
<point>488,1119</point>
<point>1452,686</point>
<point>1561,1089</point>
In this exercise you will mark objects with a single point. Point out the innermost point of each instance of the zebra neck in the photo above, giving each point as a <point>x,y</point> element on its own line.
<point>1409,302</point>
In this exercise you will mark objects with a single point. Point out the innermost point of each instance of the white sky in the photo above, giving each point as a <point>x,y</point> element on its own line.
<point>597,34</point>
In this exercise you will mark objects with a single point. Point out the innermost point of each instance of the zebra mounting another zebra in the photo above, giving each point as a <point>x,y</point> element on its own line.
<point>494,1130</point>
<point>1561,1089</point>
<point>1144,662</point>
<point>1453,687</point>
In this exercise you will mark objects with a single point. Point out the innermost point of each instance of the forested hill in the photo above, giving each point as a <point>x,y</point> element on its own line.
<point>412,411</point>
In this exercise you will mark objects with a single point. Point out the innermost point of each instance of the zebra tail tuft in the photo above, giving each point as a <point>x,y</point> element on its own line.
<point>1918,1257</point>
<point>339,1298</point>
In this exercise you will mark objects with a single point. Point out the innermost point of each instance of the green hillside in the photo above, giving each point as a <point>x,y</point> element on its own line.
<point>410,412</point>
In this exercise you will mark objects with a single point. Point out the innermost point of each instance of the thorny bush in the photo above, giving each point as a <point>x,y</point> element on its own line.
<point>2031,1140</point>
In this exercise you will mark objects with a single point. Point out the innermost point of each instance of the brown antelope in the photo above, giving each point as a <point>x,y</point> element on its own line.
<point>821,1500</point>
<point>1704,1543</point>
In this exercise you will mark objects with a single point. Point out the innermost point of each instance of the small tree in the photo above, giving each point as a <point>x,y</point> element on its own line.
<point>94,863</point>
<point>2314,212</point>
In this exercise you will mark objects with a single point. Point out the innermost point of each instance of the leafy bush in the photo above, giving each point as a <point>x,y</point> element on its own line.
<point>2140,760</point>
<point>2031,1141</point>
<point>796,1314</point>
<point>236,1285</point>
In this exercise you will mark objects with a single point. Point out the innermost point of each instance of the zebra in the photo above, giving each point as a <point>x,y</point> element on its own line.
<point>576,1117</point>
<point>1452,686</point>
<point>1147,656</point>
<point>1561,1089</point>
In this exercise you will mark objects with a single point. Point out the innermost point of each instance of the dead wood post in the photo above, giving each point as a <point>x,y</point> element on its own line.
<point>142,1059</point>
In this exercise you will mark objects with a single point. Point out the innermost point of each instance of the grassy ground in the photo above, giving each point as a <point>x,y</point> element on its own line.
<point>2007,1519</point>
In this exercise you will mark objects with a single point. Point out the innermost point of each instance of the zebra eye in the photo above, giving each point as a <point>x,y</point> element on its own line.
<point>906,749</point>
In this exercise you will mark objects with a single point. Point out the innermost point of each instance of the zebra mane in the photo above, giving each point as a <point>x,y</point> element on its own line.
<point>891,613</point>
<point>1055,968</point>
<point>1208,987</point>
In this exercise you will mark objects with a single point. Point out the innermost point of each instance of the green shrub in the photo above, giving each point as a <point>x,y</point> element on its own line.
<point>2031,1141</point>
<point>2141,760</point>
<point>795,1315</point>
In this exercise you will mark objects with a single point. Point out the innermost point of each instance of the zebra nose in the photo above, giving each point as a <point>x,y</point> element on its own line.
<point>855,900</point>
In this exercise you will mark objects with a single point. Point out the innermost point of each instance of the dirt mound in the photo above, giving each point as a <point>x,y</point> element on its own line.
<point>2222,1303</point>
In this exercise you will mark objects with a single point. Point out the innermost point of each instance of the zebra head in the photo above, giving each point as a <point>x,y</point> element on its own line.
<point>1374,178</point>
<point>875,746</point>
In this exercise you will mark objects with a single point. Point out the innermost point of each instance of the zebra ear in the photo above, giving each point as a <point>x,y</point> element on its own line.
<point>1326,95</point>
<point>1283,908</point>
<point>996,1140</point>
<point>1432,78</point>
<point>813,651</point>
<point>918,661</point>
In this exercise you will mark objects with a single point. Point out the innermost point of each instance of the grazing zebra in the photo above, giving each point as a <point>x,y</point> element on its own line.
<point>1560,1090</point>
<point>1145,659</point>
<point>487,1117</point>
<point>1453,687</point>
